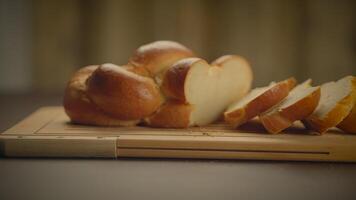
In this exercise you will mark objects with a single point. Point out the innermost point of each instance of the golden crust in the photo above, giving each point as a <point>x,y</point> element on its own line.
<point>349,123</point>
<point>173,114</point>
<point>277,121</point>
<point>174,78</point>
<point>158,56</point>
<point>137,70</point>
<point>260,104</point>
<point>80,108</point>
<point>123,94</point>
<point>336,115</point>
<point>109,95</point>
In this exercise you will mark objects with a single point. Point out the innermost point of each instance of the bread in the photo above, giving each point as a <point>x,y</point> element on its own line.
<point>79,106</point>
<point>173,114</point>
<point>257,101</point>
<point>336,102</point>
<point>157,56</point>
<point>123,94</point>
<point>349,123</point>
<point>204,91</point>
<point>162,85</point>
<point>299,104</point>
<point>111,95</point>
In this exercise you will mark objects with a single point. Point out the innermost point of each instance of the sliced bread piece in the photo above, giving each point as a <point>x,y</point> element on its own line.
<point>257,101</point>
<point>349,123</point>
<point>336,102</point>
<point>299,104</point>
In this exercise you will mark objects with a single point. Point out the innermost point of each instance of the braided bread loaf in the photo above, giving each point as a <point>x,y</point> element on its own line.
<point>162,85</point>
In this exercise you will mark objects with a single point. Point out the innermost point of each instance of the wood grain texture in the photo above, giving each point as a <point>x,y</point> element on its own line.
<point>34,122</point>
<point>48,133</point>
<point>58,146</point>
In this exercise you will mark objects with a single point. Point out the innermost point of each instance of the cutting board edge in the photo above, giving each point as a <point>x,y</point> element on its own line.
<point>21,141</point>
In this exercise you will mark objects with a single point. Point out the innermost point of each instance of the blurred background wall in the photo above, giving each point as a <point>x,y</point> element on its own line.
<point>43,41</point>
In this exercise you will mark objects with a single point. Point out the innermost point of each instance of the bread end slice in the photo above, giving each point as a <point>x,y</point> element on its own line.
<point>349,123</point>
<point>336,102</point>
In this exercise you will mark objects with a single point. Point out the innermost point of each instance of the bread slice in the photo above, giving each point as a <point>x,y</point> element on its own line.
<point>349,123</point>
<point>202,92</point>
<point>257,101</point>
<point>299,104</point>
<point>336,102</point>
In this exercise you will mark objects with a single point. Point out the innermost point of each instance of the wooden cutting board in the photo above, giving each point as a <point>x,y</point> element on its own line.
<point>48,133</point>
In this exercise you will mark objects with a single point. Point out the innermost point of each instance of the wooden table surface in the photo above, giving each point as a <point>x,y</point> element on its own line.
<point>161,178</point>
